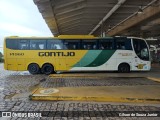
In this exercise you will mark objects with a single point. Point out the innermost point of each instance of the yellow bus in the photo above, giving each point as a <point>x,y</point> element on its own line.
<point>48,55</point>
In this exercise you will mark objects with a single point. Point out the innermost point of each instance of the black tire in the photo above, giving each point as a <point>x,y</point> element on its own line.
<point>34,68</point>
<point>124,68</point>
<point>47,69</point>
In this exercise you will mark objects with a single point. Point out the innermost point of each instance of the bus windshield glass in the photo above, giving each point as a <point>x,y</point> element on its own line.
<point>141,49</point>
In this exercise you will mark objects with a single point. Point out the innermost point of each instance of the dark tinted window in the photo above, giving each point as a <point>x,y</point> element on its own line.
<point>71,44</point>
<point>123,44</point>
<point>141,49</point>
<point>23,44</point>
<point>54,44</point>
<point>12,44</point>
<point>106,44</point>
<point>128,45</point>
<point>37,44</point>
<point>89,44</point>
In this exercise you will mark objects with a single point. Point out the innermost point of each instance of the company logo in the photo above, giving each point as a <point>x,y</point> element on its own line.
<point>56,54</point>
<point>21,114</point>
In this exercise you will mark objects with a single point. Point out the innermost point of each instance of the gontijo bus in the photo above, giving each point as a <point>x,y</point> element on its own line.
<point>76,53</point>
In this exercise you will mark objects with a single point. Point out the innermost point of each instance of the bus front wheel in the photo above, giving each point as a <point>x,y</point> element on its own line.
<point>33,68</point>
<point>47,69</point>
<point>123,68</point>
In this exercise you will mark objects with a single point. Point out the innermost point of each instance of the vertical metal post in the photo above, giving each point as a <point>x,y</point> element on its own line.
<point>102,29</point>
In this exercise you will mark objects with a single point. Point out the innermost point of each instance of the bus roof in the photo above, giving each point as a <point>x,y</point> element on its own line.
<point>59,37</point>
<point>76,36</point>
<point>68,37</point>
<point>136,38</point>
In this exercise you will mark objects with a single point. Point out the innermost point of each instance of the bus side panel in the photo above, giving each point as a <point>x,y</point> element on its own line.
<point>61,64</point>
<point>21,64</point>
<point>70,62</point>
<point>110,65</point>
<point>15,61</point>
<point>125,56</point>
<point>12,64</point>
<point>4,51</point>
<point>11,61</point>
<point>97,60</point>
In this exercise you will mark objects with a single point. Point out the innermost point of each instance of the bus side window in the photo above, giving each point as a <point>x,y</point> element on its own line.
<point>84,46</point>
<point>71,44</point>
<point>12,44</point>
<point>23,44</point>
<point>89,44</point>
<point>128,45</point>
<point>74,46</point>
<point>37,44</point>
<point>54,44</point>
<point>101,47</point>
<point>94,47</point>
<point>33,46</point>
<point>57,46</point>
<point>120,44</point>
<point>123,43</point>
<point>106,44</point>
<point>41,46</point>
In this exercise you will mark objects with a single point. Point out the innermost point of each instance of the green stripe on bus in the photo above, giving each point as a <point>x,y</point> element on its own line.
<point>89,57</point>
<point>102,58</point>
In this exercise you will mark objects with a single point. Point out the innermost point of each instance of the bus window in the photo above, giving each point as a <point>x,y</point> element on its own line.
<point>54,44</point>
<point>12,44</point>
<point>120,44</point>
<point>71,44</point>
<point>89,44</point>
<point>123,44</point>
<point>106,44</point>
<point>37,44</point>
<point>128,45</point>
<point>23,44</point>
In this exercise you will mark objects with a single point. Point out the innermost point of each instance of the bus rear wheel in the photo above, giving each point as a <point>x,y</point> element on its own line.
<point>124,68</point>
<point>33,68</point>
<point>47,69</point>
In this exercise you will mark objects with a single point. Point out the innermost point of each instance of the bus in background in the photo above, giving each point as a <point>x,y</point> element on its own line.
<point>48,55</point>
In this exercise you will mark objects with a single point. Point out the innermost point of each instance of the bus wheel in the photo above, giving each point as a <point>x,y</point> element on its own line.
<point>124,68</point>
<point>33,68</point>
<point>47,69</point>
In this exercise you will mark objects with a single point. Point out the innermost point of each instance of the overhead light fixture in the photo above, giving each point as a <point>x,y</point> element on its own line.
<point>140,10</point>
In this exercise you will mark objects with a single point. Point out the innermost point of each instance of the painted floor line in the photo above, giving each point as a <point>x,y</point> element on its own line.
<point>154,79</point>
<point>95,76</point>
<point>95,99</point>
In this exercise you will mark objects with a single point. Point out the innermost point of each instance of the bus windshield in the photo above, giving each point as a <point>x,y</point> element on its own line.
<point>141,49</point>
